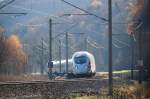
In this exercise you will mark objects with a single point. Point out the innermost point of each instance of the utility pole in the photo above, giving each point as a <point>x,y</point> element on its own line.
<point>42,58</point>
<point>85,42</point>
<point>66,52</point>
<point>26,65</point>
<point>84,48</point>
<point>140,61</point>
<point>50,64</point>
<point>132,54</point>
<point>60,56</point>
<point>110,46</point>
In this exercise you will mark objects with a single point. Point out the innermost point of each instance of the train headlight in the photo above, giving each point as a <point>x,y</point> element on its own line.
<point>76,66</point>
<point>89,65</point>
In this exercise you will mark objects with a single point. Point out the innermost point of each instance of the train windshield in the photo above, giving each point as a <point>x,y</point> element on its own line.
<point>80,60</point>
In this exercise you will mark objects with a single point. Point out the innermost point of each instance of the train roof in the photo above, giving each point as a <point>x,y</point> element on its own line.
<point>62,61</point>
<point>81,53</point>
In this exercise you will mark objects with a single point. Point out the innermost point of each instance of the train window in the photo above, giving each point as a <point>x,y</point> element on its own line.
<point>80,60</point>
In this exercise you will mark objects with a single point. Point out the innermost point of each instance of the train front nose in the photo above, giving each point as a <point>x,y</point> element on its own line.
<point>81,69</point>
<point>80,64</point>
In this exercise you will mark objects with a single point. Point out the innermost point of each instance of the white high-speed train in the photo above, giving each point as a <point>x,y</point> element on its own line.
<point>82,63</point>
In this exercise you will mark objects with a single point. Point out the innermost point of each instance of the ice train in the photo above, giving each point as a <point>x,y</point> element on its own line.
<point>82,63</point>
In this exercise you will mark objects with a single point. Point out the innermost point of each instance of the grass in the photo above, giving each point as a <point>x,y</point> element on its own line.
<point>132,91</point>
<point>118,72</point>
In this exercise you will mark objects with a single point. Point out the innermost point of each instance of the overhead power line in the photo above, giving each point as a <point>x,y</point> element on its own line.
<point>117,6</point>
<point>93,43</point>
<point>115,45</point>
<point>104,19</point>
<point>123,43</point>
<point>66,30</point>
<point>15,13</point>
<point>5,3</point>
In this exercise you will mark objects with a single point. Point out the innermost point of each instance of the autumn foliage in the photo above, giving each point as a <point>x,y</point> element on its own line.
<point>12,55</point>
<point>138,10</point>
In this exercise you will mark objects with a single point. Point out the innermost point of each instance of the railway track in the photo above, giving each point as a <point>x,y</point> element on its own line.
<point>59,87</point>
<point>47,81</point>
<point>50,88</point>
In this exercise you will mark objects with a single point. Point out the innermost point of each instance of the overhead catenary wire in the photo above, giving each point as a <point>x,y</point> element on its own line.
<point>94,44</point>
<point>115,45</point>
<point>39,25</point>
<point>117,6</point>
<point>5,3</point>
<point>39,12</point>
<point>29,9</point>
<point>121,42</point>
<point>104,19</point>
<point>65,46</point>
<point>70,36</point>
<point>93,41</point>
<point>66,30</point>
